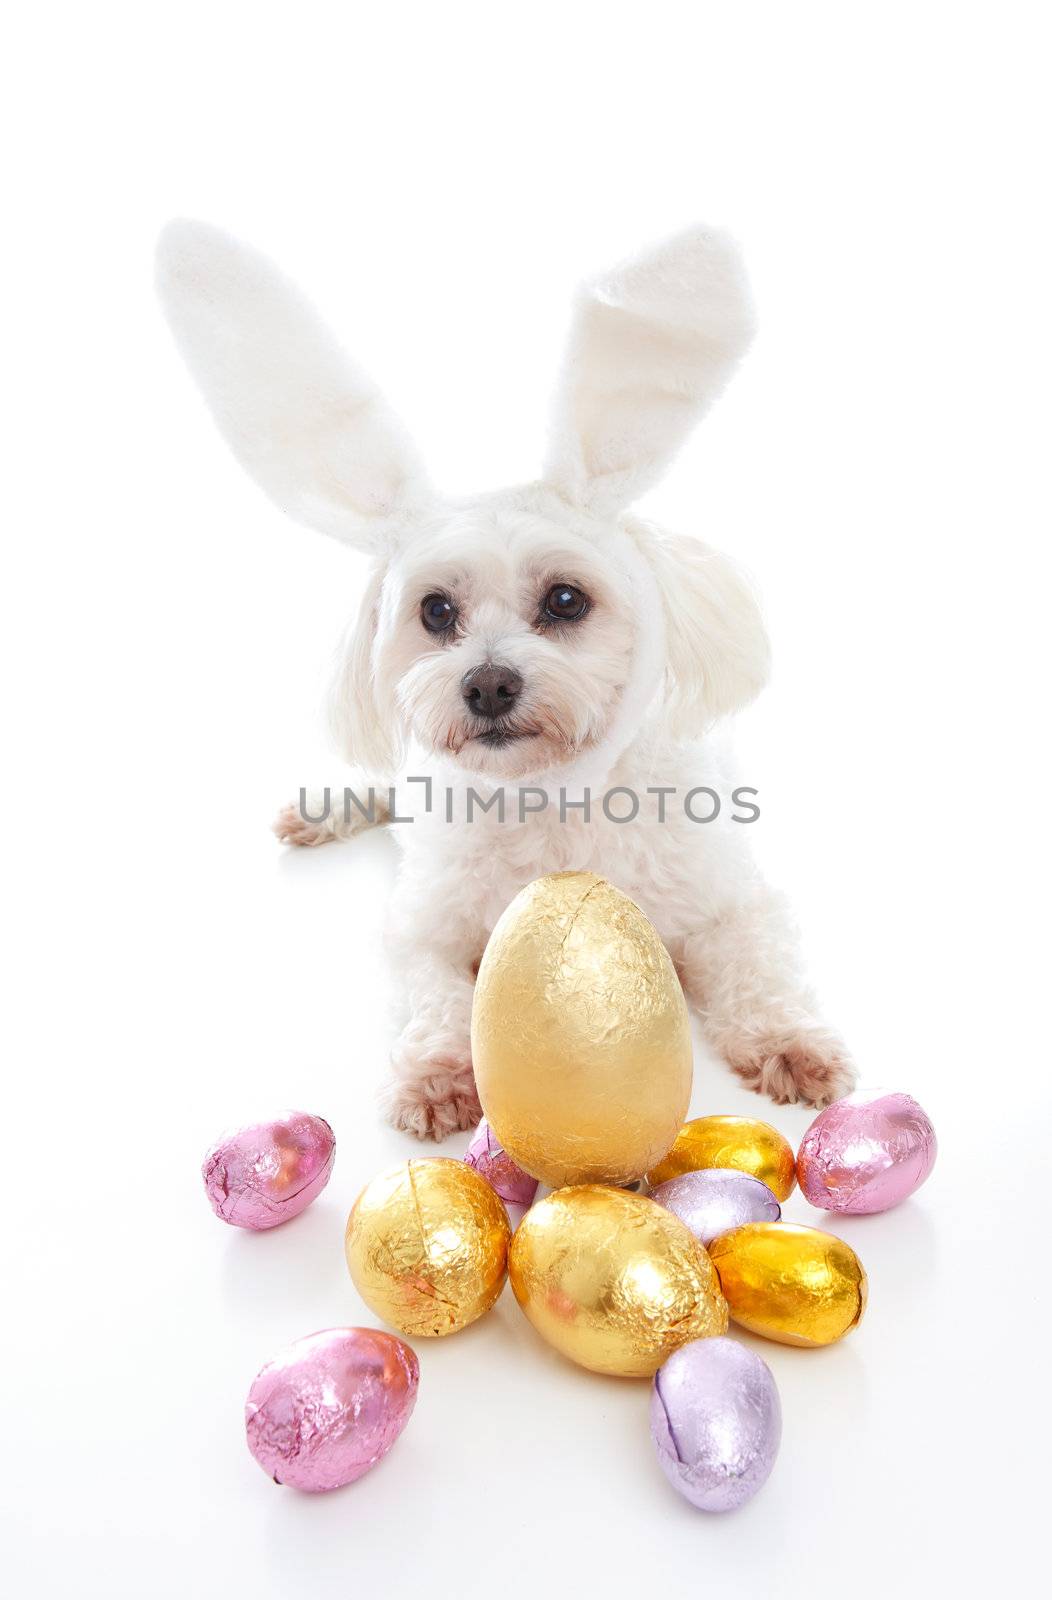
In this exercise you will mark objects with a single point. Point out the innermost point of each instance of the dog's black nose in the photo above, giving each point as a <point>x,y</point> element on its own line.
<point>491,691</point>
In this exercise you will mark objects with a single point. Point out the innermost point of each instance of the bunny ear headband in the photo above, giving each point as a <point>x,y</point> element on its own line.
<point>651,346</point>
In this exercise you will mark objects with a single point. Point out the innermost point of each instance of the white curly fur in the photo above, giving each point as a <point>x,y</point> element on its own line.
<point>672,641</point>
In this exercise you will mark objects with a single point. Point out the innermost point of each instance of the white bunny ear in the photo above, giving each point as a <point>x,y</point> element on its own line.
<point>310,428</point>
<point>651,346</point>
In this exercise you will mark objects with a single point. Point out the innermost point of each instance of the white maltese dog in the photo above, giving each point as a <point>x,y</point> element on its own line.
<point>545,666</point>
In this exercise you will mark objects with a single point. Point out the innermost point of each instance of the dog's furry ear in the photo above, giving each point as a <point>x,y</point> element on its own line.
<point>312,430</point>
<point>363,715</point>
<point>717,651</point>
<point>651,346</point>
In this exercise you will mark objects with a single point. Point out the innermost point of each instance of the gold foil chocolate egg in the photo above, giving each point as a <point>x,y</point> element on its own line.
<point>427,1246</point>
<point>613,1280</point>
<point>579,1034</point>
<point>740,1142</point>
<point>797,1285</point>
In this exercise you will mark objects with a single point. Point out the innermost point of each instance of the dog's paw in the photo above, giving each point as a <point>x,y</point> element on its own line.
<point>809,1065</point>
<point>436,1101</point>
<point>292,827</point>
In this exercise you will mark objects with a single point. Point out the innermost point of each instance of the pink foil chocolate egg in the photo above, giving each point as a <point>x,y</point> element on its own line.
<point>328,1407</point>
<point>866,1153</point>
<point>491,1161</point>
<point>260,1176</point>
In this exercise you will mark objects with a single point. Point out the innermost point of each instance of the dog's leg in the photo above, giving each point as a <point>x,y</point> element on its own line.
<point>322,815</point>
<point>431,1092</point>
<point>741,971</point>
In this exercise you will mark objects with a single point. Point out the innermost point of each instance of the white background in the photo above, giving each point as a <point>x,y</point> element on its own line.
<point>439,176</point>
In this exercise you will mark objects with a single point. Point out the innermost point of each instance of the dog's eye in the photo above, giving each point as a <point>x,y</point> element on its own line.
<point>564,603</point>
<point>437,613</point>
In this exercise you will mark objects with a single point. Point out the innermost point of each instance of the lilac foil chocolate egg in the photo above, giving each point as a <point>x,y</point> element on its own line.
<point>259,1176</point>
<point>716,1422</point>
<point>866,1153</point>
<point>716,1199</point>
<point>328,1407</point>
<point>491,1161</point>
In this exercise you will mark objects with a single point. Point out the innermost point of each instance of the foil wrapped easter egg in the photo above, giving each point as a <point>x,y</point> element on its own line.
<point>866,1153</point>
<point>612,1280</point>
<point>738,1142</point>
<point>716,1422</point>
<point>579,1032</point>
<point>427,1246</point>
<point>261,1175</point>
<point>329,1406</point>
<point>717,1199</point>
<point>488,1157</point>
<point>793,1284</point>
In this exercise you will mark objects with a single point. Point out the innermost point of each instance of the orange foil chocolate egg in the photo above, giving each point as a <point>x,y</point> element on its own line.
<point>740,1142</point>
<point>793,1284</point>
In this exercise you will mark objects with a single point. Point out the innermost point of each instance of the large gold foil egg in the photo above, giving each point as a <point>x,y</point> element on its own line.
<point>579,1034</point>
<point>427,1246</point>
<point>613,1280</point>
<point>797,1285</point>
<point>740,1142</point>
